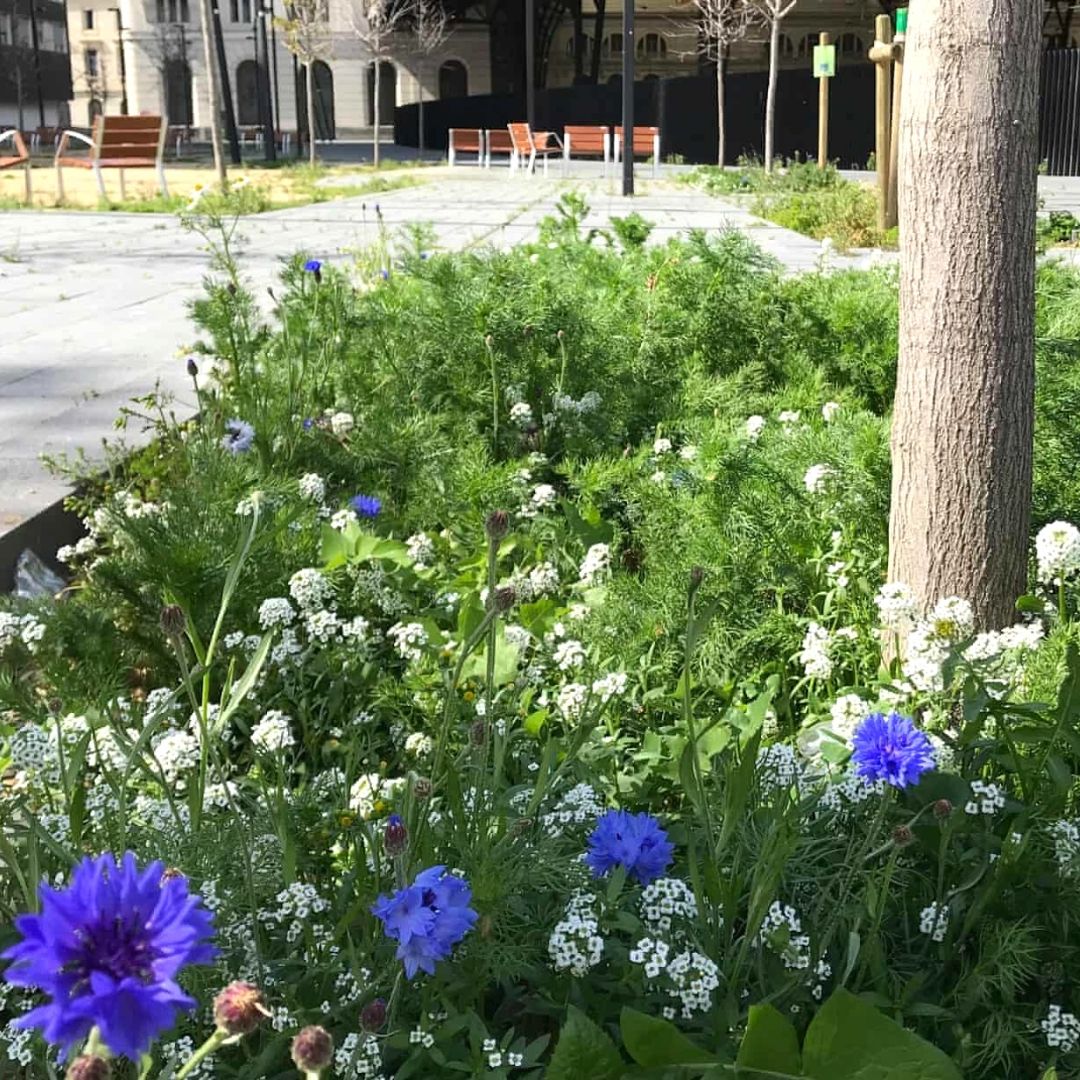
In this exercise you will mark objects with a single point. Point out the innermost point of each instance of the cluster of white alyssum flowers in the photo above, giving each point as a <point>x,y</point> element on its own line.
<point>778,768</point>
<point>814,655</point>
<point>934,920</point>
<point>847,712</point>
<point>310,589</point>
<point>576,944</point>
<point>341,423</point>
<point>569,655</point>
<point>421,550</point>
<point>521,414</point>
<point>755,425</point>
<point>611,685</point>
<point>932,639</point>
<point>581,805</point>
<point>665,900</point>
<point>176,752</point>
<point>652,954</point>
<point>829,411</point>
<point>24,628</point>
<point>792,946</point>
<point>409,639</point>
<point>571,699</point>
<point>1057,552</point>
<point>273,732</point>
<point>661,446</point>
<point>817,478</point>
<point>418,744</point>
<point>312,487</point>
<point>275,611</point>
<point>596,564</point>
<point>1066,837</point>
<point>695,977</point>
<point>1062,1029</point>
<point>897,607</point>
<point>543,497</point>
<point>988,798</point>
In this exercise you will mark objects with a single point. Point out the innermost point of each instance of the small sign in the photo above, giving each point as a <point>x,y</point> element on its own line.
<point>901,20</point>
<point>824,61</point>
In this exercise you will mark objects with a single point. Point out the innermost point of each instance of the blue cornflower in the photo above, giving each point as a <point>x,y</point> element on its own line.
<point>384,274</point>
<point>427,918</point>
<point>366,505</point>
<point>891,748</point>
<point>313,266</point>
<point>635,841</point>
<point>107,949</point>
<point>238,437</point>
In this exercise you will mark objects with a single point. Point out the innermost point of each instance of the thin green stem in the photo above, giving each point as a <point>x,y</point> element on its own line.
<point>204,1051</point>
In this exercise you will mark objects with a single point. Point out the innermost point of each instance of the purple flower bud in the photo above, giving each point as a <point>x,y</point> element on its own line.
<point>239,1008</point>
<point>902,836</point>
<point>422,789</point>
<point>313,1049</point>
<point>173,622</point>
<point>192,367</point>
<point>373,1015</point>
<point>395,836</point>
<point>942,809</point>
<point>89,1067</point>
<point>497,524</point>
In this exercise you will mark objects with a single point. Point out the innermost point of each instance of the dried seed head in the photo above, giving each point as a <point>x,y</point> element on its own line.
<point>422,789</point>
<point>942,809</point>
<point>504,598</point>
<point>478,733</point>
<point>497,524</point>
<point>89,1067</point>
<point>313,1049</point>
<point>373,1015</point>
<point>902,836</point>
<point>173,622</point>
<point>239,1008</point>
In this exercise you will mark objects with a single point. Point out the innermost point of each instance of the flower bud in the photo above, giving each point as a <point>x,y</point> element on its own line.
<point>478,733</point>
<point>373,1015</point>
<point>560,334</point>
<point>942,809</point>
<point>89,1067</point>
<point>497,524</point>
<point>697,576</point>
<point>902,836</point>
<point>422,789</point>
<point>192,367</point>
<point>230,288</point>
<point>504,598</point>
<point>173,622</point>
<point>239,1008</point>
<point>313,1049</point>
<point>395,836</point>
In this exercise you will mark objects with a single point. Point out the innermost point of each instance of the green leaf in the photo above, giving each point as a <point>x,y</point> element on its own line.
<point>1030,604</point>
<point>335,547</point>
<point>770,1045</point>
<point>850,1040</point>
<point>652,1041</point>
<point>584,1050</point>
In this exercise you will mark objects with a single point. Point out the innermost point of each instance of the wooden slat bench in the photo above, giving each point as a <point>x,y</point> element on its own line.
<point>465,141</point>
<point>586,141</point>
<point>117,142</point>
<point>19,159</point>
<point>646,143</point>
<point>530,145</point>
<point>498,141</point>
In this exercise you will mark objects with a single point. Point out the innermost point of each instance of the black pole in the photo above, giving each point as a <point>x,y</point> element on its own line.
<point>628,98</point>
<point>301,114</point>
<point>226,89</point>
<point>530,62</point>
<point>273,60</point>
<point>266,113</point>
<point>123,65</point>
<point>37,64</point>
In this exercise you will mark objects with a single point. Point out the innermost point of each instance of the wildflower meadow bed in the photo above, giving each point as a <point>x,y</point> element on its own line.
<point>498,678</point>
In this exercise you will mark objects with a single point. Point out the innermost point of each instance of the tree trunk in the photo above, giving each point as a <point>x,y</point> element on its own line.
<point>721,127</point>
<point>579,41</point>
<point>420,114</point>
<point>375,111</point>
<point>963,419</point>
<point>213,88</point>
<point>770,96</point>
<point>309,78</point>
<point>598,42</point>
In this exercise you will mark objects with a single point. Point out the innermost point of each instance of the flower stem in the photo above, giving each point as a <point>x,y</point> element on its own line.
<point>204,1051</point>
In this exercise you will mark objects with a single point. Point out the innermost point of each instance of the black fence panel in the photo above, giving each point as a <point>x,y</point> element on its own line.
<point>1059,112</point>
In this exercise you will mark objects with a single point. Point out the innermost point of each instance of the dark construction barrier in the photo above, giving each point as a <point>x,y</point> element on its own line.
<point>685,111</point>
<point>1059,112</point>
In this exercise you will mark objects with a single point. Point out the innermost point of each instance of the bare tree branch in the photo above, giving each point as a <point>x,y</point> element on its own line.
<point>306,33</point>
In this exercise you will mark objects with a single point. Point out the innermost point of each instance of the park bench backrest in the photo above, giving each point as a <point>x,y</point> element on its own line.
<point>20,156</point>
<point>585,139</point>
<point>521,139</point>
<point>499,141</point>
<point>128,141</point>
<point>644,139</point>
<point>468,140</point>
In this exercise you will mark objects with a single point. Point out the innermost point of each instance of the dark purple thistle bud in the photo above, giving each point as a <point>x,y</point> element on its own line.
<point>504,598</point>
<point>89,1067</point>
<point>478,733</point>
<point>422,789</point>
<point>942,809</point>
<point>173,622</point>
<point>313,1049</point>
<point>373,1016</point>
<point>395,836</point>
<point>192,367</point>
<point>497,524</point>
<point>902,836</point>
<point>239,1008</point>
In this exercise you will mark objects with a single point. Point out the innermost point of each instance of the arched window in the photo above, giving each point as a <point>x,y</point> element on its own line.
<point>247,93</point>
<point>324,99</point>
<point>807,43</point>
<point>612,45</point>
<point>652,45</point>
<point>851,45</point>
<point>787,48</point>
<point>453,80</point>
<point>584,45</point>
<point>178,93</point>
<point>387,92</point>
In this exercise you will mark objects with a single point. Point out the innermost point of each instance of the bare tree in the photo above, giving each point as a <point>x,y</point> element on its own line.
<point>772,13</point>
<point>306,29</point>
<point>166,48</point>
<point>963,420</point>
<point>213,89</point>
<point>430,27</point>
<point>378,24</point>
<point>719,24</point>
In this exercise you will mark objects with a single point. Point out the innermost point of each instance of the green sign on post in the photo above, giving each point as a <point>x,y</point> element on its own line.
<point>901,20</point>
<point>824,61</point>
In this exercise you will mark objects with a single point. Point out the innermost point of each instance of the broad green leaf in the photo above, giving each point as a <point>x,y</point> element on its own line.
<point>770,1045</point>
<point>1030,604</point>
<point>850,1040</point>
<point>246,682</point>
<point>652,1041</point>
<point>584,1050</point>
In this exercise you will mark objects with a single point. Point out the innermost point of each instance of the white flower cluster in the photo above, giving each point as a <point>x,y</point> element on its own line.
<point>695,977</point>
<point>778,768</point>
<point>1057,552</point>
<point>25,628</point>
<point>177,752</point>
<point>68,553</point>
<point>421,550</point>
<point>312,487</point>
<point>791,945</point>
<point>310,589</point>
<point>358,1058</point>
<point>755,425</point>
<point>596,564</point>
<point>542,579</point>
<point>342,519</point>
<point>853,790</point>
<point>296,904</point>
<point>988,799</point>
<point>611,685</point>
<point>370,788</point>
<point>1062,1029</point>
<point>575,944</point>
<point>817,479</point>
<point>419,1037</point>
<point>661,446</point>
<point>418,744</point>
<point>848,711</point>
<point>897,608</point>
<point>829,411</point>
<point>409,639</point>
<point>569,655</point>
<point>341,423</point>
<point>275,611</point>
<point>789,418</point>
<point>1019,638</point>
<point>543,497</point>
<point>273,732</point>
<point>521,414</point>
<point>814,655</point>
<point>666,899</point>
<point>1066,837</point>
<point>652,954</point>
<point>930,642</point>
<point>571,699</point>
<point>564,403</point>
<point>581,805</point>
<point>934,920</point>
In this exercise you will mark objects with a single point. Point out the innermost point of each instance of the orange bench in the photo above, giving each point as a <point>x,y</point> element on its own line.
<point>19,159</point>
<point>530,145</point>
<point>466,141</point>
<point>586,141</point>
<point>646,143</point>
<point>498,141</point>
<point>117,142</point>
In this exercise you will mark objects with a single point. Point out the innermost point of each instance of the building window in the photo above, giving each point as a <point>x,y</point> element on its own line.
<point>453,80</point>
<point>88,19</point>
<point>240,10</point>
<point>92,68</point>
<point>172,11</point>
<point>6,28</point>
<point>851,45</point>
<point>612,45</point>
<point>652,45</point>
<point>584,45</point>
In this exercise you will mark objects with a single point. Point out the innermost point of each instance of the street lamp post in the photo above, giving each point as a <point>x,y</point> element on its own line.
<point>263,75</point>
<point>530,63</point>
<point>628,57</point>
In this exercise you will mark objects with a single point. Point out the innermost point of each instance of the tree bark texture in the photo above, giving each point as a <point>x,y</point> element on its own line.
<point>770,96</point>
<point>964,411</point>
<point>213,88</point>
<point>309,78</point>
<point>375,113</point>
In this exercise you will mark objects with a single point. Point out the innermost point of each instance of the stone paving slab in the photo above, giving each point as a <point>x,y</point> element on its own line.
<point>95,306</point>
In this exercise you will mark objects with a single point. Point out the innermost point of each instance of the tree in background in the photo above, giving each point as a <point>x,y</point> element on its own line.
<point>963,419</point>
<point>306,30</point>
<point>430,29</point>
<point>213,89</point>
<point>378,23</point>
<point>772,13</point>
<point>719,24</point>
